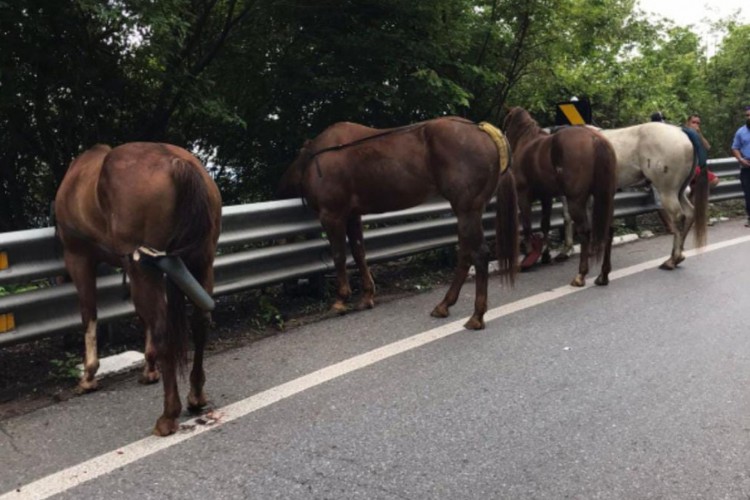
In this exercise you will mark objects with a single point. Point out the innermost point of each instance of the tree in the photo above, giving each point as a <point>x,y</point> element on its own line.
<point>77,72</point>
<point>243,82</point>
<point>728,85</point>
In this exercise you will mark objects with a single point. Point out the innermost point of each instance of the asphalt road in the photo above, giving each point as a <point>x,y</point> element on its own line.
<point>636,390</point>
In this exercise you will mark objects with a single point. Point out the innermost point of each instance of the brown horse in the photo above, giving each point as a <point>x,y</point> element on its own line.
<point>576,162</point>
<point>147,208</point>
<point>350,170</point>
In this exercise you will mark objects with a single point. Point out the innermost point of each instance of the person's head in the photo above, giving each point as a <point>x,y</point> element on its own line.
<point>747,116</point>
<point>658,117</point>
<point>694,121</point>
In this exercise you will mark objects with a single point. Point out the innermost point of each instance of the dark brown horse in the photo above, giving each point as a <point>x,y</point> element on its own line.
<point>147,208</point>
<point>575,162</point>
<point>350,170</point>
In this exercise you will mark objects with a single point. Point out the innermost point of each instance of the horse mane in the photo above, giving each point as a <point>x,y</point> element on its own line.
<point>519,124</point>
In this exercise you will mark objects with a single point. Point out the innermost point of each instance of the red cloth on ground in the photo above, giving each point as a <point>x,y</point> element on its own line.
<point>711,175</point>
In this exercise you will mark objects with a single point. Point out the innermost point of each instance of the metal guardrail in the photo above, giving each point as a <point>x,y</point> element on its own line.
<point>251,256</point>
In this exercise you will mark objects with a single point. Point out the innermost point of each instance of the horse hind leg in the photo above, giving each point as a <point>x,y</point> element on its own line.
<point>357,246</point>
<point>583,231</point>
<point>335,228</point>
<point>603,278</point>
<point>150,373</point>
<point>149,297</point>
<point>199,325</point>
<point>682,218</point>
<point>82,272</point>
<point>200,320</point>
<point>688,212</point>
<point>545,226</point>
<point>532,245</point>
<point>472,247</point>
<point>567,248</point>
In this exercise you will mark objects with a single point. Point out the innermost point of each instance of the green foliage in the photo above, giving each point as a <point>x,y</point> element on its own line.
<point>66,368</point>
<point>12,289</point>
<point>728,88</point>
<point>245,82</point>
<point>269,314</point>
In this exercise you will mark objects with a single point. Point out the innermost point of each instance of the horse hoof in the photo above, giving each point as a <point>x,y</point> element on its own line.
<point>578,281</point>
<point>474,324</point>
<point>667,266</point>
<point>148,378</point>
<point>679,260</point>
<point>339,308</point>
<point>546,258</point>
<point>196,403</point>
<point>602,281</point>
<point>86,386</point>
<point>440,311</point>
<point>166,426</point>
<point>365,304</point>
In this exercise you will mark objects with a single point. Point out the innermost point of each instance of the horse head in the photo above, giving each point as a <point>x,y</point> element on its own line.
<point>290,184</point>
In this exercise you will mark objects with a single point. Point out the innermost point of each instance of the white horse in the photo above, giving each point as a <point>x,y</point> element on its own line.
<point>662,155</point>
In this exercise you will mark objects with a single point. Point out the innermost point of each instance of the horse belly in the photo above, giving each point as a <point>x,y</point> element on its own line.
<point>628,175</point>
<point>390,198</point>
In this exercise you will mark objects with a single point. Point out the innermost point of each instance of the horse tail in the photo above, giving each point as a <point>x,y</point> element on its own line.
<point>700,204</point>
<point>506,227</point>
<point>506,219</point>
<point>605,185</point>
<point>194,223</point>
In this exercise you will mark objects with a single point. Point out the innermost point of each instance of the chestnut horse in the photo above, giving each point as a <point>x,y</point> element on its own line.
<point>576,162</point>
<point>150,209</point>
<point>350,170</point>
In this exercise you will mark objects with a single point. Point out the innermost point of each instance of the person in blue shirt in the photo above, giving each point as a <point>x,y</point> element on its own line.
<point>741,151</point>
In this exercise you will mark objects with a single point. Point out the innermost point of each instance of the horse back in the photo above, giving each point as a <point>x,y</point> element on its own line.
<point>657,152</point>
<point>534,168</point>
<point>151,191</point>
<point>581,156</point>
<point>464,161</point>
<point>112,201</point>
<point>381,170</point>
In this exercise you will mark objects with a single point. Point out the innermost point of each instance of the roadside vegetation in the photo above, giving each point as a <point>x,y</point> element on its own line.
<point>244,82</point>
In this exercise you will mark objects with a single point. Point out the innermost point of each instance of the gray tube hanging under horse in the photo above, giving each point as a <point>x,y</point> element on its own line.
<point>176,270</point>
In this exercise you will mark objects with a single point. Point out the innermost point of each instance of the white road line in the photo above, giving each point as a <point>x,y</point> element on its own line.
<point>67,479</point>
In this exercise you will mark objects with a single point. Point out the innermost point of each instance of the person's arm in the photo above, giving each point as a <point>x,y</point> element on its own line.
<point>736,150</point>
<point>738,155</point>
<point>706,144</point>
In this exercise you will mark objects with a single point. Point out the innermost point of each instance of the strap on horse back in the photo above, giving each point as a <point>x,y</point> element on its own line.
<point>405,128</point>
<point>501,143</point>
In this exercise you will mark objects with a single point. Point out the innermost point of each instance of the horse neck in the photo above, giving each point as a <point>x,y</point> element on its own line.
<point>523,133</point>
<point>290,184</point>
